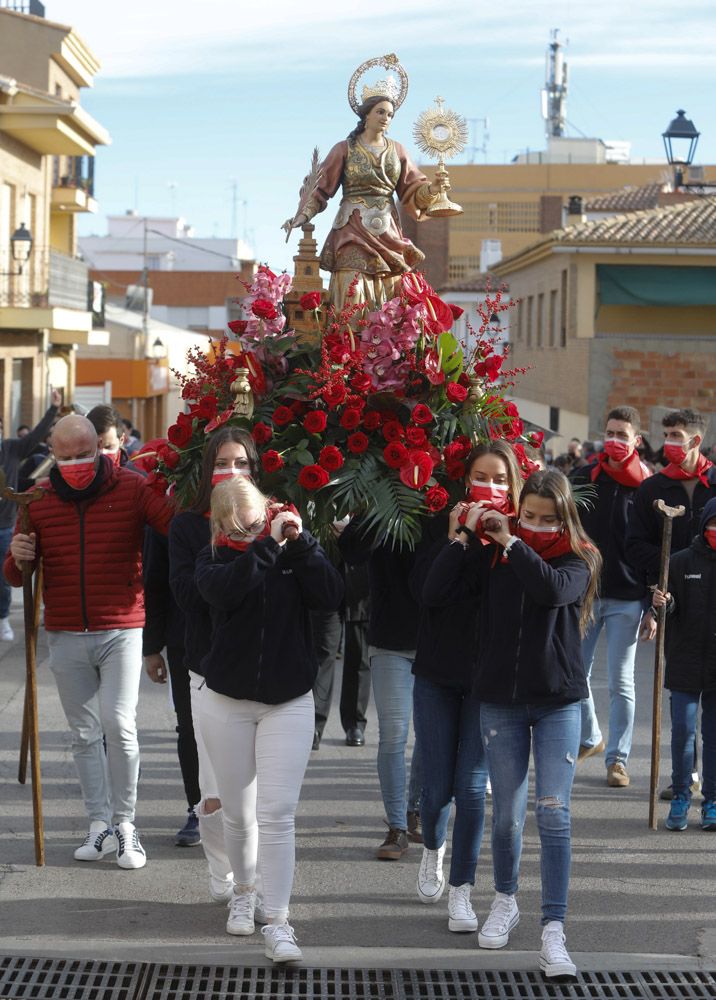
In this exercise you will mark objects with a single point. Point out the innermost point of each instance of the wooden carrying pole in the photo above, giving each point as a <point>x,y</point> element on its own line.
<point>30,725</point>
<point>667,518</point>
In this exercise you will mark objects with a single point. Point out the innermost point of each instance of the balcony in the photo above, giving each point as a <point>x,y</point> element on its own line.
<point>51,292</point>
<point>73,184</point>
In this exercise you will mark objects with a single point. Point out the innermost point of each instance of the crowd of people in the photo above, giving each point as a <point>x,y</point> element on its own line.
<point>483,639</point>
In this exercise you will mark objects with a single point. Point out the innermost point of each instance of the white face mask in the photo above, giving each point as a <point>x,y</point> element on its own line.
<point>551,529</point>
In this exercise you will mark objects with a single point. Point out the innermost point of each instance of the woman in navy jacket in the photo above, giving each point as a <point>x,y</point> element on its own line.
<point>536,590</point>
<point>262,576</point>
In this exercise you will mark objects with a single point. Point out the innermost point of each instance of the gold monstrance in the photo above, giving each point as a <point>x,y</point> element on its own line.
<point>442,133</point>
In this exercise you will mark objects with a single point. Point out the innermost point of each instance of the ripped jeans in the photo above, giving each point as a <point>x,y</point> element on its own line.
<point>508,731</point>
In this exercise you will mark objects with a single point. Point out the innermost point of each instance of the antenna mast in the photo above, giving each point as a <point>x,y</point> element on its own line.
<point>554,95</point>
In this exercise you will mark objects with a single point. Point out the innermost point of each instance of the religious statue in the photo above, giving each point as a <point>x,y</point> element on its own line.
<point>366,249</point>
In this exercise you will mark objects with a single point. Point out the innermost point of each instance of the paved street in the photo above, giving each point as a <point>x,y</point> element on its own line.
<point>638,899</point>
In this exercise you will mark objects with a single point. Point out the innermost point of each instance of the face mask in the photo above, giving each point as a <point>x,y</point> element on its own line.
<point>495,494</point>
<point>222,475</point>
<point>676,453</point>
<point>538,539</point>
<point>78,473</point>
<point>114,453</point>
<point>710,536</point>
<point>617,450</point>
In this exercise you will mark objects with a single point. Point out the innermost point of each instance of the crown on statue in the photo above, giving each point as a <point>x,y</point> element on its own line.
<point>388,88</point>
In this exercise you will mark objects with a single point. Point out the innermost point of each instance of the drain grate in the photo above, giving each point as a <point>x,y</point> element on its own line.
<point>58,979</point>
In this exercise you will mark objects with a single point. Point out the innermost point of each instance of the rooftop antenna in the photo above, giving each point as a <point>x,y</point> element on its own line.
<point>554,95</point>
<point>473,149</point>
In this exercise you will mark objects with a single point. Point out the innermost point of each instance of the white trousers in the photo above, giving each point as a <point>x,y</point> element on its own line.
<point>259,754</point>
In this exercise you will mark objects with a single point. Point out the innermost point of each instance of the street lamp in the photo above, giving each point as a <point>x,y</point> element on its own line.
<point>159,351</point>
<point>680,141</point>
<point>20,248</point>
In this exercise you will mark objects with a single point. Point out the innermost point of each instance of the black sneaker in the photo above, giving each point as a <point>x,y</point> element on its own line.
<point>189,835</point>
<point>415,832</point>
<point>394,846</point>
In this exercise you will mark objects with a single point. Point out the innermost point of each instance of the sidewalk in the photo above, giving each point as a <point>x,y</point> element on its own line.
<point>639,900</point>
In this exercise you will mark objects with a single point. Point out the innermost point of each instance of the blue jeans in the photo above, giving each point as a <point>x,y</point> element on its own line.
<point>621,621</point>
<point>684,714</point>
<point>5,588</point>
<point>507,732</point>
<point>392,678</point>
<point>447,728</point>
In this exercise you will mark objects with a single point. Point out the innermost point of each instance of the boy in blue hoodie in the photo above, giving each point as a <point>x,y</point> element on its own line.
<point>691,667</point>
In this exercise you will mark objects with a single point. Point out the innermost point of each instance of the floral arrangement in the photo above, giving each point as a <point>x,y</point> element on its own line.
<point>377,421</point>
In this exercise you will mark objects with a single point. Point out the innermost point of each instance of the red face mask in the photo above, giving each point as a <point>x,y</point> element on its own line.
<point>538,539</point>
<point>495,494</point>
<point>617,450</point>
<point>222,475</point>
<point>676,453</point>
<point>78,473</point>
<point>710,536</point>
<point>115,454</point>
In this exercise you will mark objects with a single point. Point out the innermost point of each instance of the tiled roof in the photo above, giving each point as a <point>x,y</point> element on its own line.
<point>629,199</point>
<point>692,223</point>
<point>477,281</point>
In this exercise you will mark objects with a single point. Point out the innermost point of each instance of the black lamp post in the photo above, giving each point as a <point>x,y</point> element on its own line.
<point>680,141</point>
<point>20,248</point>
<point>159,351</point>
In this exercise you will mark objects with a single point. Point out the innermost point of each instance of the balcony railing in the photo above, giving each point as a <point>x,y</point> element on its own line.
<point>49,278</point>
<point>74,172</point>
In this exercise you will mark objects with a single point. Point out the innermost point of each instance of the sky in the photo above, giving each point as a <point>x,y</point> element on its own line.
<point>214,107</point>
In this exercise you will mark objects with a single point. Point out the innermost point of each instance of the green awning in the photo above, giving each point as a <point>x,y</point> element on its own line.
<point>652,285</point>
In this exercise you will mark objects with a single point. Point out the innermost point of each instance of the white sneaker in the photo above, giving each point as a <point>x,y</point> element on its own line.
<point>260,917</point>
<point>503,916</point>
<point>280,943</point>
<point>99,842</point>
<point>554,960</point>
<point>241,913</point>
<point>6,631</point>
<point>130,853</point>
<point>431,881</point>
<point>221,889</point>
<point>461,916</point>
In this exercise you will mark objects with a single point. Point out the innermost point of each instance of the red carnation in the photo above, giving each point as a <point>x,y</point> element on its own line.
<point>395,454</point>
<point>310,301</point>
<point>357,443</point>
<point>180,435</point>
<point>238,326</point>
<point>417,469</point>
<point>313,477</point>
<point>271,461</point>
<point>282,416</point>
<point>455,392</point>
<point>264,309</point>
<point>371,420</point>
<point>456,314</point>
<point>436,498</point>
<point>416,436</point>
<point>350,418</point>
<point>333,395</point>
<point>421,414</point>
<point>330,458</point>
<point>315,421</point>
<point>261,433</point>
<point>361,382</point>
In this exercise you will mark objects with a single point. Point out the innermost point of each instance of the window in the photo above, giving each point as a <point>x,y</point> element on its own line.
<point>540,319</point>
<point>520,319</point>
<point>552,335</point>
<point>497,217</point>
<point>554,418</point>
<point>563,310</point>
<point>460,268</point>
<point>530,318</point>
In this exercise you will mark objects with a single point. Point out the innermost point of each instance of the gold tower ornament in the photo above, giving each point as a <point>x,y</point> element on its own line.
<point>442,133</point>
<point>243,396</point>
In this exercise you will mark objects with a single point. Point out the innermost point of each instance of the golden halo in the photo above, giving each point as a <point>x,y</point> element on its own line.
<point>392,64</point>
<point>440,131</point>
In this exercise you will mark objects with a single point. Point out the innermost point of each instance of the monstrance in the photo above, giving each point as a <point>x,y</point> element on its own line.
<point>443,133</point>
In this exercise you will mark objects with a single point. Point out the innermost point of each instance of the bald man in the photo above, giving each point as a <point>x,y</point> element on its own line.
<point>88,529</point>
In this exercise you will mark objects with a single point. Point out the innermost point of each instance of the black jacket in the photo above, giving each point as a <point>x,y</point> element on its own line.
<point>691,623</point>
<point>260,599</point>
<point>165,623</point>
<point>14,451</point>
<point>394,612</point>
<point>643,547</point>
<point>605,520</point>
<point>529,646</point>
<point>447,635</point>
<point>188,534</point>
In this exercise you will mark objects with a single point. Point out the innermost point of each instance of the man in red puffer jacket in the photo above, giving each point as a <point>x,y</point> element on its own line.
<point>88,528</point>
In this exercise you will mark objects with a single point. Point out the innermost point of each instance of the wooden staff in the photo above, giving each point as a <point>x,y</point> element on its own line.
<point>25,739</point>
<point>667,514</point>
<point>31,733</point>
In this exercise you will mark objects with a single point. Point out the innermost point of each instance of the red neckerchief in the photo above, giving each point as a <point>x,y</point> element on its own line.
<point>629,473</point>
<point>559,547</point>
<point>702,466</point>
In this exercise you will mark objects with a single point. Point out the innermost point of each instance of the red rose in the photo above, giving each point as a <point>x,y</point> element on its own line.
<point>218,421</point>
<point>357,443</point>
<point>333,395</point>
<point>456,314</point>
<point>315,421</point>
<point>206,408</point>
<point>395,454</point>
<point>455,392</point>
<point>535,439</point>
<point>298,408</point>
<point>330,458</point>
<point>416,436</point>
<point>170,457</point>
<point>456,470</point>
<point>421,414</point>
<point>313,477</point>
<point>184,419</point>
<point>310,301</point>
<point>361,382</point>
<point>371,420</point>
<point>157,482</point>
<point>271,461</point>
<point>282,416</point>
<point>393,431</point>
<point>417,469</point>
<point>350,419</point>
<point>261,433</point>
<point>464,379</point>
<point>513,429</point>
<point>436,498</point>
<point>238,326</point>
<point>264,309</point>
<point>180,435</point>
<point>490,367</point>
